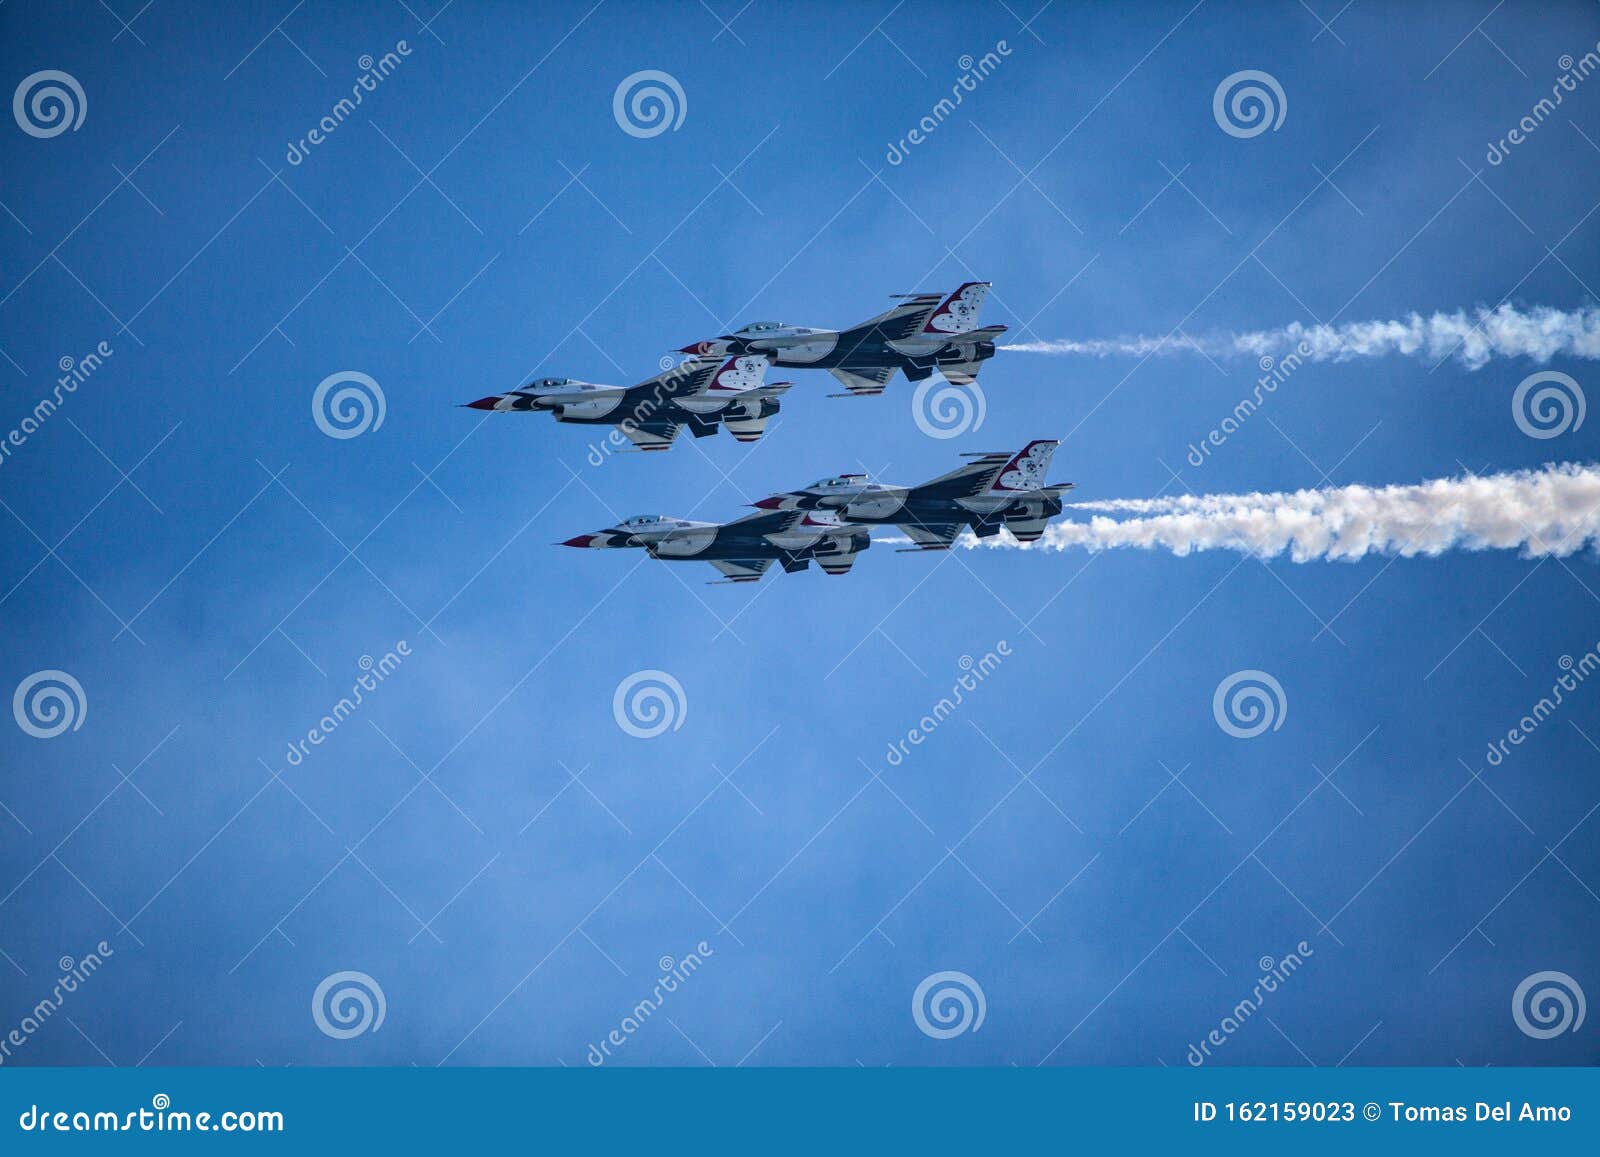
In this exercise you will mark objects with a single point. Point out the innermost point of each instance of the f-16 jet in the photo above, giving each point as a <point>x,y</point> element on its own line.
<point>700,394</point>
<point>923,333</point>
<point>988,492</point>
<point>744,548</point>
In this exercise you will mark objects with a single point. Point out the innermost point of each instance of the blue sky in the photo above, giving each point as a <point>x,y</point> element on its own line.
<point>482,218</point>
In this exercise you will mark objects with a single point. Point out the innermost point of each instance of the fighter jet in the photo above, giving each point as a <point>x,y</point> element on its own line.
<point>925,332</point>
<point>990,491</point>
<point>700,393</point>
<point>744,548</point>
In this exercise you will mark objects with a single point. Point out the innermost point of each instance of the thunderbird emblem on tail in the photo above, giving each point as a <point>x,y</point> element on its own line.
<point>923,333</point>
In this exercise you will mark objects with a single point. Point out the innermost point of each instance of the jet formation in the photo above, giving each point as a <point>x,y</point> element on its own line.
<point>722,384</point>
<point>830,521</point>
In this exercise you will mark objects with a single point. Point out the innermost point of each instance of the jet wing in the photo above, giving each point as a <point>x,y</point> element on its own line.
<point>905,320</point>
<point>760,523</point>
<point>970,478</point>
<point>863,382</point>
<point>742,570</point>
<point>932,535</point>
<point>653,435</point>
<point>687,377</point>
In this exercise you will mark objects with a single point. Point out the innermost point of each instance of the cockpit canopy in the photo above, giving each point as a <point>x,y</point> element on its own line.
<point>549,383</point>
<point>645,520</point>
<point>765,327</point>
<point>838,480</point>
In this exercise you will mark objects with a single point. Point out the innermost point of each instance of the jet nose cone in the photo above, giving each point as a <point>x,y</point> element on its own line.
<point>484,403</point>
<point>581,540</point>
<point>700,348</point>
<point>773,503</point>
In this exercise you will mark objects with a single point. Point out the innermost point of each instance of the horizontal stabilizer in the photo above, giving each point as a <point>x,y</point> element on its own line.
<point>864,381</point>
<point>932,535</point>
<point>651,435</point>
<point>743,570</point>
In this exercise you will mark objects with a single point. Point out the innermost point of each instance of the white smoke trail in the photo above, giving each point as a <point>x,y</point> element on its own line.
<point>1539,333</point>
<point>1554,511</point>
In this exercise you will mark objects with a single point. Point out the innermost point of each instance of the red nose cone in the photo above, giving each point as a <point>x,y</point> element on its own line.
<point>579,540</point>
<point>698,347</point>
<point>484,403</point>
<point>769,504</point>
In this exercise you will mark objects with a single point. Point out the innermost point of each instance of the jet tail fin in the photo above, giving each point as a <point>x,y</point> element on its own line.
<point>739,374</point>
<point>1027,469</point>
<point>958,313</point>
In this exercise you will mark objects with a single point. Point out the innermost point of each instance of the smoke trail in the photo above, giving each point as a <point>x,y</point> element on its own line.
<point>1539,333</point>
<point>1554,511</point>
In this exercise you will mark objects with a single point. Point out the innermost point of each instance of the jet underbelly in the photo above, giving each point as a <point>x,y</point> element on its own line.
<point>689,545</point>
<point>874,509</point>
<point>590,410</point>
<point>812,351</point>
